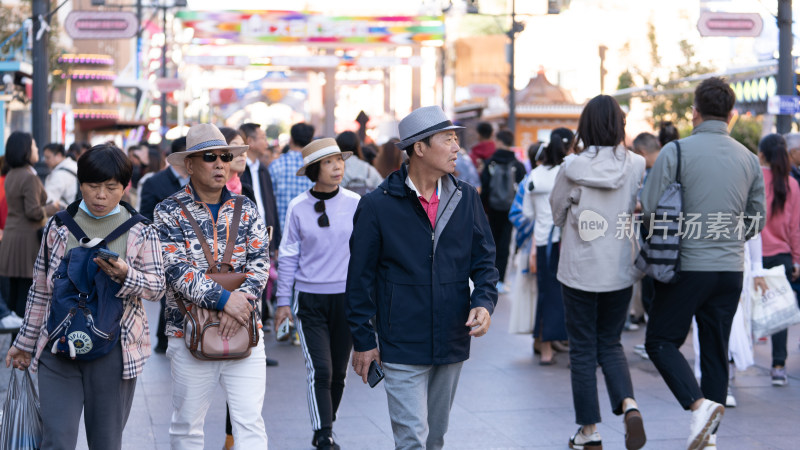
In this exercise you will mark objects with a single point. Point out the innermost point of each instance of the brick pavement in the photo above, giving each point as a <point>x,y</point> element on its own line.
<point>504,401</point>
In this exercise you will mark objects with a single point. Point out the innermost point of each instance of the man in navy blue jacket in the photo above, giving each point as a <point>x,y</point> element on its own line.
<point>417,241</point>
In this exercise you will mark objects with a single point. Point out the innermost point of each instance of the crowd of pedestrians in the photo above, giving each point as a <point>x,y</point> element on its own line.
<point>390,260</point>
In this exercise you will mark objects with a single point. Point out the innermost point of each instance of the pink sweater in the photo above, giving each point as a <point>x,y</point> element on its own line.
<point>782,231</point>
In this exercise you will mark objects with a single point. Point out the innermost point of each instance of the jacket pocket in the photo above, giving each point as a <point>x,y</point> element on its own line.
<point>409,318</point>
<point>455,308</point>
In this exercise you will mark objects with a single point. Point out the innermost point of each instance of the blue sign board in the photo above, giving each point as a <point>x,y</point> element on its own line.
<point>783,105</point>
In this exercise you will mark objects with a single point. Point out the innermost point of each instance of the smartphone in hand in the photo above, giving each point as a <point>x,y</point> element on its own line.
<point>375,374</point>
<point>107,255</point>
<point>284,330</point>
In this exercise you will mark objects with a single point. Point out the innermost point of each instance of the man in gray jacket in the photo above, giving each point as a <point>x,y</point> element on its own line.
<point>723,205</point>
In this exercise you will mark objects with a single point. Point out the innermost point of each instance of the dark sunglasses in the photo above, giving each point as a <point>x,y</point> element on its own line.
<point>323,219</point>
<point>210,157</point>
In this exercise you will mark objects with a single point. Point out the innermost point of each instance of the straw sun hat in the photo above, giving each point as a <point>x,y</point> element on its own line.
<point>319,150</point>
<point>204,137</point>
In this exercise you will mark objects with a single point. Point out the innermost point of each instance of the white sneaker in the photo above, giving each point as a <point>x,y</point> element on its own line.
<point>730,400</point>
<point>580,441</point>
<point>11,322</point>
<point>640,350</point>
<point>705,421</point>
<point>712,441</point>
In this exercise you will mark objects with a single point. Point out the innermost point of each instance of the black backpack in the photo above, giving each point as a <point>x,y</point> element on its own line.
<point>502,185</point>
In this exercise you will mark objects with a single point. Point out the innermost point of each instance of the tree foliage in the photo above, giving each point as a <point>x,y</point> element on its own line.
<point>625,81</point>
<point>673,98</point>
<point>747,130</point>
<point>12,17</point>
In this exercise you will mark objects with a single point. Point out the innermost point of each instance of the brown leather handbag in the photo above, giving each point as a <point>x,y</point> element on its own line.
<point>201,325</point>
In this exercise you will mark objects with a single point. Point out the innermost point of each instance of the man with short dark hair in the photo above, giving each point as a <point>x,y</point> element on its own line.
<point>257,177</point>
<point>417,241</point>
<point>155,189</point>
<point>164,183</point>
<point>647,145</point>
<point>285,183</point>
<point>61,184</point>
<point>723,194</point>
<point>499,181</point>
<point>484,149</point>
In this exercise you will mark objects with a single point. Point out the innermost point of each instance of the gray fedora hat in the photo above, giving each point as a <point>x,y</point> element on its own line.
<point>421,123</point>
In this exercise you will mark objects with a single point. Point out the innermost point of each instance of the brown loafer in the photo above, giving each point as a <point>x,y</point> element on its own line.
<point>634,430</point>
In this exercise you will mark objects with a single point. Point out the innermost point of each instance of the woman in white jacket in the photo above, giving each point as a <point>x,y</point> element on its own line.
<point>593,197</point>
<point>549,323</point>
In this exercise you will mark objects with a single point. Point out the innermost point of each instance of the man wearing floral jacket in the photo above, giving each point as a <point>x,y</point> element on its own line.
<point>207,160</point>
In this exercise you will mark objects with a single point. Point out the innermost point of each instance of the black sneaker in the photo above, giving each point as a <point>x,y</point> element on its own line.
<point>579,441</point>
<point>323,440</point>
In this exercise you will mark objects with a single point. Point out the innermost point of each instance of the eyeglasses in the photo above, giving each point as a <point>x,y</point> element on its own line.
<point>210,157</point>
<point>323,219</point>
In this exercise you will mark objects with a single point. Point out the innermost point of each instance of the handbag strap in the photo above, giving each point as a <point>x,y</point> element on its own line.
<point>233,231</point>
<point>678,171</point>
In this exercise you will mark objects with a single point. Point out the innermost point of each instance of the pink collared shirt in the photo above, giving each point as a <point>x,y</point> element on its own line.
<point>431,207</point>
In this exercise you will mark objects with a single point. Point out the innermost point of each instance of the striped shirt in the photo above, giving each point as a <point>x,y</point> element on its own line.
<point>285,183</point>
<point>145,280</point>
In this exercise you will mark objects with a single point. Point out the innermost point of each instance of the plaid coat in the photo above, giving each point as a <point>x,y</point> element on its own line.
<point>145,280</point>
<point>183,255</point>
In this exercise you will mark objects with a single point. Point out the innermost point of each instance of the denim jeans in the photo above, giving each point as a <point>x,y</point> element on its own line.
<point>594,325</point>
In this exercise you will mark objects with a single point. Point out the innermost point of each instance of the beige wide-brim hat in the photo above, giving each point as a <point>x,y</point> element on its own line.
<point>319,150</point>
<point>204,137</point>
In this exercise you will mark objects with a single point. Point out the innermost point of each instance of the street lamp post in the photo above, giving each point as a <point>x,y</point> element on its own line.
<point>164,127</point>
<point>512,101</point>
<point>785,61</point>
<point>40,123</point>
<point>516,27</point>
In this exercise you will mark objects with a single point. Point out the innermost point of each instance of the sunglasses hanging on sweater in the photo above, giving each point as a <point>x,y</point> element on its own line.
<point>323,219</point>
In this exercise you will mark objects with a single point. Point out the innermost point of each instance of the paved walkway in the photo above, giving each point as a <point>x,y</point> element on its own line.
<point>505,401</point>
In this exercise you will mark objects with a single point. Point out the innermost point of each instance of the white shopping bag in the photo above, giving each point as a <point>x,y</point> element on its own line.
<point>776,309</point>
<point>524,294</point>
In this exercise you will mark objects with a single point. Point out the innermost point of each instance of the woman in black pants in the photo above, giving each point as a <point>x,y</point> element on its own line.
<point>312,273</point>
<point>591,192</point>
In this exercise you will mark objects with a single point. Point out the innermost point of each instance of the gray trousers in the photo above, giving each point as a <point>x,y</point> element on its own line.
<point>420,398</point>
<point>96,388</point>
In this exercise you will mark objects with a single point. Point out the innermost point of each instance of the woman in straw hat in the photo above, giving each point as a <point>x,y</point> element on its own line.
<point>314,255</point>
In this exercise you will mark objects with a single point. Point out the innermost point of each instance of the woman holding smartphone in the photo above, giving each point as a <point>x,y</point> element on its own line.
<point>312,273</point>
<point>101,389</point>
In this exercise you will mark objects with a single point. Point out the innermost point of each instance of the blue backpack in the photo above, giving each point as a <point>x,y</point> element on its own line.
<point>85,314</point>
